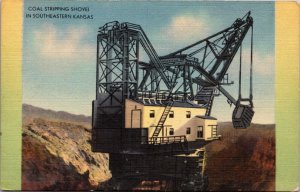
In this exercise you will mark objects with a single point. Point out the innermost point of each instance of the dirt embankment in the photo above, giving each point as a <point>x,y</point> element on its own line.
<point>243,160</point>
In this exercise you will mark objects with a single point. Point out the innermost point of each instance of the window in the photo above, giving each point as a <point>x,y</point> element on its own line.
<point>188,114</point>
<point>200,132</point>
<point>188,130</point>
<point>171,131</point>
<point>171,114</point>
<point>152,114</point>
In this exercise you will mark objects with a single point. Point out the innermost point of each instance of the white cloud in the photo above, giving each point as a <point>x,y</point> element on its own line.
<point>187,28</point>
<point>263,64</point>
<point>57,44</point>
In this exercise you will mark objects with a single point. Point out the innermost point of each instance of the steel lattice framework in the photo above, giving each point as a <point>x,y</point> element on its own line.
<point>194,73</point>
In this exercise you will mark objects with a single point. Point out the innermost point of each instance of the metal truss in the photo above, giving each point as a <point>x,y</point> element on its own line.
<point>194,73</point>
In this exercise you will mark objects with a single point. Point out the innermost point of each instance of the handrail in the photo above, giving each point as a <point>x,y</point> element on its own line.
<point>168,140</point>
<point>162,95</point>
<point>112,25</point>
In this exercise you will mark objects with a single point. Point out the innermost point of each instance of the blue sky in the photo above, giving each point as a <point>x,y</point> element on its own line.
<point>60,54</point>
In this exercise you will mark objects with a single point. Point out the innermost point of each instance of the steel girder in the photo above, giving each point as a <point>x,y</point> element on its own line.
<point>183,73</point>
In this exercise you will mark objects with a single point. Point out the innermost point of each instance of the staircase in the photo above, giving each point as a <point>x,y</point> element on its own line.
<point>209,105</point>
<point>162,120</point>
<point>206,97</point>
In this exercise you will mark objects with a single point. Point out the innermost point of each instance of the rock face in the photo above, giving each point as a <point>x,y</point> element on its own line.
<point>243,159</point>
<point>57,156</point>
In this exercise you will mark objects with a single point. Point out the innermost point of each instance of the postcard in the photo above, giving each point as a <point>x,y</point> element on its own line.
<point>149,95</point>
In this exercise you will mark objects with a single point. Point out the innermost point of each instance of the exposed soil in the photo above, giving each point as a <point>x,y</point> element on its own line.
<point>244,160</point>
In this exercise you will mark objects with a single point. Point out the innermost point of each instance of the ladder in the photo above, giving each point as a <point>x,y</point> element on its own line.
<point>202,160</point>
<point>162,120</point>
<point>214,131</point>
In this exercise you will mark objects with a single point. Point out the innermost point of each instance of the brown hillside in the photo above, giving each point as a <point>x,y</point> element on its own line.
<point>30,112</point>
<point>242,159</point>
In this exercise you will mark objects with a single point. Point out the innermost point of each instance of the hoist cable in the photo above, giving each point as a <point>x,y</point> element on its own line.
<point>251,63</point>
<point>240,74</point>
